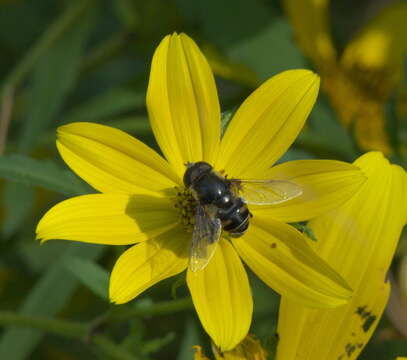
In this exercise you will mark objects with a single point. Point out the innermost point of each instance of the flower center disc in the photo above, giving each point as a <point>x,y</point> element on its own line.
<point>185,204</point>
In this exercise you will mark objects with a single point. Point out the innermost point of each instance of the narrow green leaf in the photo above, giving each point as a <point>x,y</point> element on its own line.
<point>156,344</point>
<point>128,13</point>
<point>179,282</point>
<point>44,173</point>
<point>47,298</point>
<point>89,274</point>
<point>50,36</point>
<point>39,258</point>
<point>324,136</point>
<point>54,76</point>
<point>254,14</point>
<point>137,125</point>
<point>109,104</point>
<point>18,202</point>
<point>275,44</point>
<point>190,338</point>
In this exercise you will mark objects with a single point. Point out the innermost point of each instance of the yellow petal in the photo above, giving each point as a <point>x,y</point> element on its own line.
<point>267,123</point>
<point>222,297</point>
<point>113,161</point>
<point>182,102</point>
<point>147,263</point>
<point>358,239</point>
<point>113,219</point>
<point>326,184</point>
<point>280,256</point>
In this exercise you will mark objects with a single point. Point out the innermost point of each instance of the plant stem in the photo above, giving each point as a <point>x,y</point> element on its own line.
<point>109,348</point>
<point>161,308</point>
<point>65,328</point>
<point>87,332</point>
<point>68,329</point>
<point>6,104</point>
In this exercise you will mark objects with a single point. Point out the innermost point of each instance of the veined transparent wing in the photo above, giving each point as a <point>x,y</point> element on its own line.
<point>205,237</point>
<point>266,192</point>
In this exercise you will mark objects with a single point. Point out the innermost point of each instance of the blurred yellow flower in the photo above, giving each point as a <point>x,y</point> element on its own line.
<point>141,199</point>
<point>358,239</point>
<point>199,355</point>
<point>360,80</point>
<point>249,349</point>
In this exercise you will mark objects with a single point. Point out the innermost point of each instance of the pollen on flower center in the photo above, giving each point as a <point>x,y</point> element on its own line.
<point>185,204</point>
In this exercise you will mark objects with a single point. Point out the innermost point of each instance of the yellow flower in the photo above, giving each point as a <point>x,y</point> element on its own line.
<point>249,349</point>
<point>358,239</point>
<point>360,80</point>
<point>143,201</point>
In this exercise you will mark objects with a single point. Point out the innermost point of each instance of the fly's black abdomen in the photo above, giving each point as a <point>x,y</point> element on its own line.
<point>235,219</point>
<point>240,230</point>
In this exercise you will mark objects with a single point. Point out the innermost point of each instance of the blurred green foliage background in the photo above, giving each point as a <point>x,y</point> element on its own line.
<point>88,60</point>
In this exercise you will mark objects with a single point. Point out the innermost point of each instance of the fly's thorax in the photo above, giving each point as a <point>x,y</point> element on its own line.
<point>210,188</point>
<point>185,204</point>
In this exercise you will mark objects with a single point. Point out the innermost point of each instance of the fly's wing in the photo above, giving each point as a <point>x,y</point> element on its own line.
<point>266,192</point>
<point>205,237</point>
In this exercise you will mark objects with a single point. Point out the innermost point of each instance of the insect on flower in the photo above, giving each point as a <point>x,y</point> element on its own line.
<point>220,207</point>
<point>195,218</point>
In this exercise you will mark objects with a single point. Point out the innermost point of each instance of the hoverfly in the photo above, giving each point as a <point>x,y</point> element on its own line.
<point>222,205</point>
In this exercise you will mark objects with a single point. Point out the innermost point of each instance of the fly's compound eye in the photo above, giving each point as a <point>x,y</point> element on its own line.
<point>195,171</point>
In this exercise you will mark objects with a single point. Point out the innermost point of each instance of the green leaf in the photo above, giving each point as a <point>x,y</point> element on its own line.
<point>111,103</point>
<point>324,136</point>
<point>31,12</point>
<point>269,51</point>
<point>303,228</point>
<point>47,298</point>
<point>18,202</point>
<point>127,12</point>
<point>138,125</point>
<point>190,338</point>
<point>156,344</point>
<point>54,77</point>
<point>89,274</point>
<point>179,282</point>
<point>226,116</point>
<point>39,258</point>
<point>44,173</point>
<point>254,14</point>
